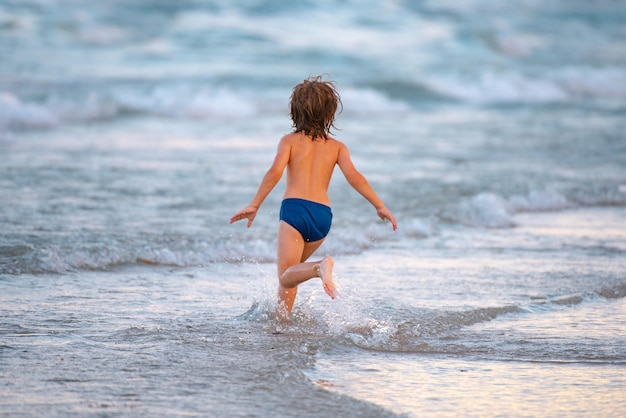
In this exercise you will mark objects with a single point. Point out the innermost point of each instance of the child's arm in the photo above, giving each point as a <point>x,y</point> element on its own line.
<point>271,178</point>
<point>361,185</point>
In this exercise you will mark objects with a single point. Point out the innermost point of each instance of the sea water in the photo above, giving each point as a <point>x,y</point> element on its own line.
<point>130,132</point>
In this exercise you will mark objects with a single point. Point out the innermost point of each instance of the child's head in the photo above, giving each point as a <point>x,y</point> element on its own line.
<point>313,106</point>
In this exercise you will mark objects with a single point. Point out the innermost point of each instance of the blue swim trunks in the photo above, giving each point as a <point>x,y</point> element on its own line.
<point>311,219</point>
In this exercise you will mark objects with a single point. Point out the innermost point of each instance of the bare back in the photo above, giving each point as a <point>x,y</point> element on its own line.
<point>310,166</point>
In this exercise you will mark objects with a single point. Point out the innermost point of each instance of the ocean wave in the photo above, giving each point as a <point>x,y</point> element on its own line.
<point>28,259</point>
<point>484,210</point>
<point>491,210</point>
<point>431,332</point>
<point>370,101</point>
<point>14,113</point>
<point>418,334</point>
<point>182,102</point>
<point>204,101</point>
<point>57,105</point>
<point>348,236</point>
<point>176,101</point>
<point>569,85</point>
<point>18,114</point>
<point>188,102</point>
<point>102,253</point>
<point>491,87</point>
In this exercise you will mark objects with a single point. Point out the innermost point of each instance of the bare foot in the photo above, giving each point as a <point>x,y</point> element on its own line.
<point>325,271</point>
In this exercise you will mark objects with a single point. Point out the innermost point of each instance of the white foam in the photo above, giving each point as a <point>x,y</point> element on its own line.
<point>416,228</point>
<point>16,114</point>
<point>491,210</point>
<point>485,210</point>
<point>492,87</point>
<point>370,101</point>
<point>186,102</point>
<point>538,201</point>
<point>562,85</point>
<point>181,101</point>
<point>106,255</point>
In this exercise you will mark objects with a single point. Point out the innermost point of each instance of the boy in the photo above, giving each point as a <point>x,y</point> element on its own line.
<point>310,155</point>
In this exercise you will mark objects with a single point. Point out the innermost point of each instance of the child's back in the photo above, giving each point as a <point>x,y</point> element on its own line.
<point>310,166</point>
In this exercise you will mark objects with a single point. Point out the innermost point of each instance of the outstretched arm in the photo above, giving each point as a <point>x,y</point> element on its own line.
<point>271,178</point>
<point>361,185</point>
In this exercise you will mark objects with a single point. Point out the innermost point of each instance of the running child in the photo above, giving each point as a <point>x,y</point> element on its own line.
<point>309,154</point>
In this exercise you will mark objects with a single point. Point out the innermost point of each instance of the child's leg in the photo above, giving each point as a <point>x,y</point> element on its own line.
<point>292,251</point>
<point>324,267</point>
<point>288,253</point>
<point>299,273</point>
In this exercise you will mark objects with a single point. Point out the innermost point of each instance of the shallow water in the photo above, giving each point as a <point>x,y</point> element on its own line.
<point>446,386</point>
<point>129,134</point>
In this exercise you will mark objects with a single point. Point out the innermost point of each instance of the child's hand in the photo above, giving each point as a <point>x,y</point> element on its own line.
<point>248,213</point>
<point>384,213</point>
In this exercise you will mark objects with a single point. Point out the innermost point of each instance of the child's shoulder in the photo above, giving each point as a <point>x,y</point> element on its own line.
<point>337,143</point>
<point>290,137</point>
